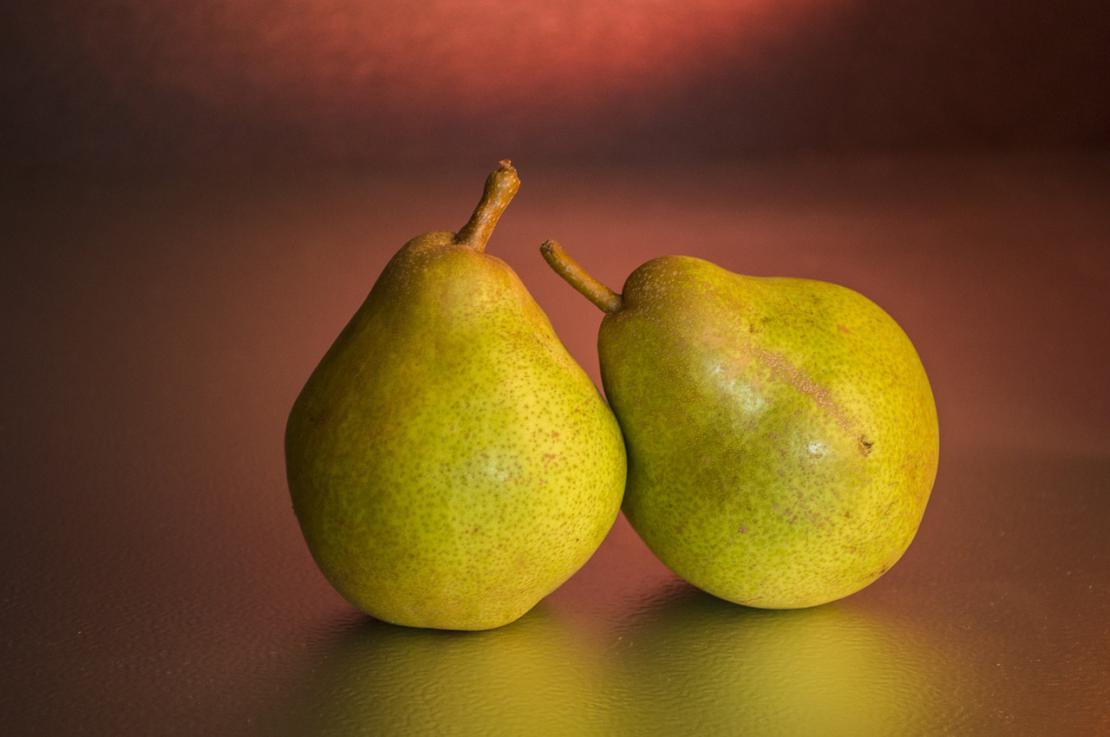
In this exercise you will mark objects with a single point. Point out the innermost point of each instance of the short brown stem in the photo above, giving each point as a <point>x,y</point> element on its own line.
<point>501,185</point>
<point>579,278</point>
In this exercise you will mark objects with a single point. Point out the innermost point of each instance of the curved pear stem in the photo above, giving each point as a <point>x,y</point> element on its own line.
<point>573,273</point>
<point>501,185</point>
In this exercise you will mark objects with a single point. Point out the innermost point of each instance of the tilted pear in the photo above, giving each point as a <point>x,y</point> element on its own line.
<point>450,463</point>
<point>782,435</point>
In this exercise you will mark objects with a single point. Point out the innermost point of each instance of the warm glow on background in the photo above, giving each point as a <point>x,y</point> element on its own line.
<point>447,57</point>
<point>212,83</point>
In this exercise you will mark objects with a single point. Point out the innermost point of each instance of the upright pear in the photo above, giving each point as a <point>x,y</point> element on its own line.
<point>449,462</point>
<point>782,435</point>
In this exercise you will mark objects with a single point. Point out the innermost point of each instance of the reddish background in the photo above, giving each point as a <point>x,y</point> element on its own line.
<point>196,196</point>
<point>219,82</point>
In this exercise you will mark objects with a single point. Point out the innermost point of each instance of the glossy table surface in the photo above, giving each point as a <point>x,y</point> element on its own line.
<point>157,329</point>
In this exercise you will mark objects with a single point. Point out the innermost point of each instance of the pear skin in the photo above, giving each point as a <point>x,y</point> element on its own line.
<point>781,433</point>
<point>449,462</point>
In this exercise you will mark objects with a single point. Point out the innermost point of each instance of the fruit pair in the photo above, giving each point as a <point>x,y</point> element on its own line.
<point>450,464</point>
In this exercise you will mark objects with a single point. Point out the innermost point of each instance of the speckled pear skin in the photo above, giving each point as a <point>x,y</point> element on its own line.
<point>782,435</point>
<point>450,463</point>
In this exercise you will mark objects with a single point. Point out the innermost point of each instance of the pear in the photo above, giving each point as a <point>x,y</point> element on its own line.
<point>781,433</point>
<point>449,462</point>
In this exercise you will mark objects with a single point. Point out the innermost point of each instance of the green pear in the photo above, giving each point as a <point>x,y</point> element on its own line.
<point>781,433</point>
<point>450,463</point>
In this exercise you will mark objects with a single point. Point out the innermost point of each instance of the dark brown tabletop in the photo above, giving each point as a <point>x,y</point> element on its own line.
<point>157,329</point>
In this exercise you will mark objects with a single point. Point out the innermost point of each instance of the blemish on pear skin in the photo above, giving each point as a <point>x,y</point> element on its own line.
<point>844,329</point>
<point>875,574</point>
<point>784,370</point>
<point>865,445</point>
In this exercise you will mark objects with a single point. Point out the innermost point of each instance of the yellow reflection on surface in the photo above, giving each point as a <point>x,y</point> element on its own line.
<point>681,663</point>
<point>698,665</point>
<point>527,678</point>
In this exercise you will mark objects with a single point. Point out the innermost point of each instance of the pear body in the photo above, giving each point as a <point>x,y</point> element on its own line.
<point>450,463</point>
<point>782,435</point>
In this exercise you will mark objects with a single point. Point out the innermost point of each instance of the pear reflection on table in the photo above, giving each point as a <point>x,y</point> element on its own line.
<point>703,666</point>
<point>529,677</point>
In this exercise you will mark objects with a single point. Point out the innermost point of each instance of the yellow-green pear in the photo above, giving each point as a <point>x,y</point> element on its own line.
<point>450,463</point>
<point>781,433</point>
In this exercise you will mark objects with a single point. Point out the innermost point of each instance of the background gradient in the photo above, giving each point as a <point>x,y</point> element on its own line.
<point>197,196</point>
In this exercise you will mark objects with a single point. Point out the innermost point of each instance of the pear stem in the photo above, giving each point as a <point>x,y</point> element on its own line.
<point>573,273</point>
<point>501,185</point>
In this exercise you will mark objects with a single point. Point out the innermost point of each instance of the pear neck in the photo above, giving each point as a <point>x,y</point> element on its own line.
<point>572,272</point>
<point>501,186</point>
